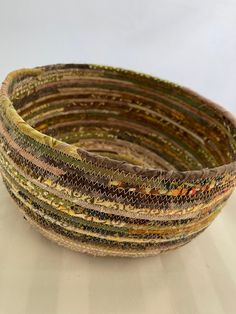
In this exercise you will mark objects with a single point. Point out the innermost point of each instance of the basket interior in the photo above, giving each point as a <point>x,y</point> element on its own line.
<point>126,116</point>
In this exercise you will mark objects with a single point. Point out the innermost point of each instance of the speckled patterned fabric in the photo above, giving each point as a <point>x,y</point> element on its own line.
<point>108,161</point>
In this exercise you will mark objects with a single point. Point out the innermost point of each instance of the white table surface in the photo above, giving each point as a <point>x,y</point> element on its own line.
<point>189,42</point>
<point>40,277</point>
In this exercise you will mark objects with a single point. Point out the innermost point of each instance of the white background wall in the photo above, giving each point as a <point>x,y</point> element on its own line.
<point>191,42</point>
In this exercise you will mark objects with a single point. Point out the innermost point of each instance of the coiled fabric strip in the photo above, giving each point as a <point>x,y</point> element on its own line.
<point>109,161</point>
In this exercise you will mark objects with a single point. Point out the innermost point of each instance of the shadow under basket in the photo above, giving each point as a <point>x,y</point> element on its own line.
<point>109,161</point>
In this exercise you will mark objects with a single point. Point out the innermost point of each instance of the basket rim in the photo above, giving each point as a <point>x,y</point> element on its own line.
<point>115,165</point>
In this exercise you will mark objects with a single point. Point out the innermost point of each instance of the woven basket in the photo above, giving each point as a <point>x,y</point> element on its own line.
<point>108,161</point>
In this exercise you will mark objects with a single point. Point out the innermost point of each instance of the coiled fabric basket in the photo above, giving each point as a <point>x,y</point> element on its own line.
<point>108,161</point>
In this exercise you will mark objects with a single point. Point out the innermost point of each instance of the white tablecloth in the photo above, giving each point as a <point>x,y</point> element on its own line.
<point>37,276</point>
